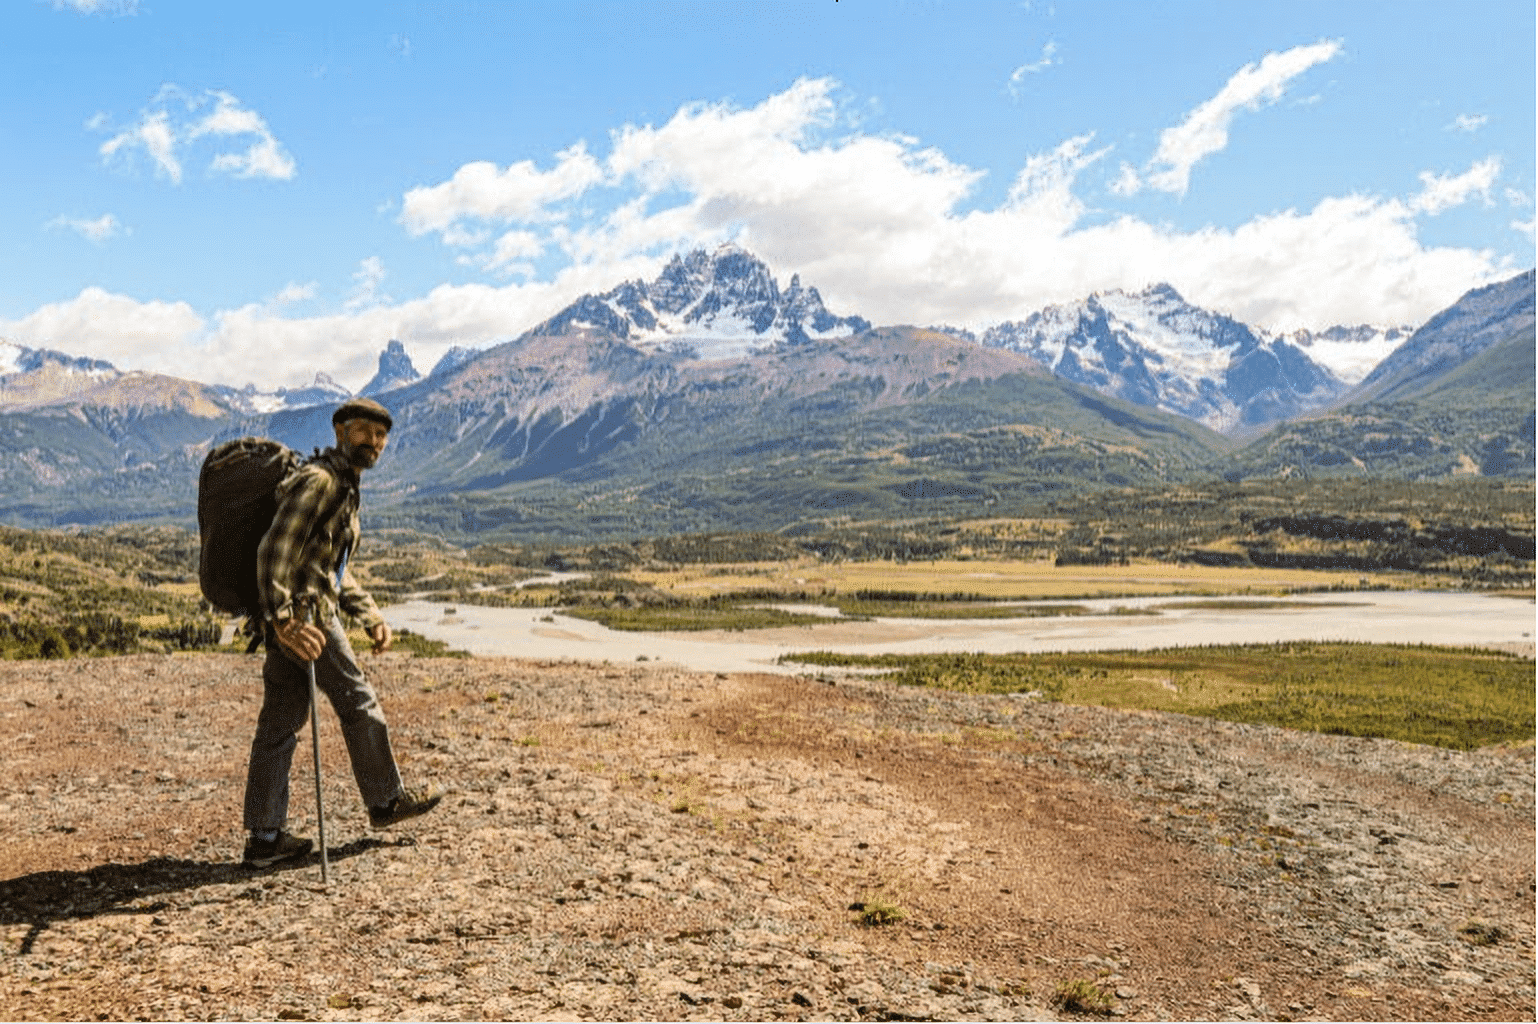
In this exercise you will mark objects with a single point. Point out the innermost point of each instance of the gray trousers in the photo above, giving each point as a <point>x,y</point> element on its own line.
<point>285,710</point>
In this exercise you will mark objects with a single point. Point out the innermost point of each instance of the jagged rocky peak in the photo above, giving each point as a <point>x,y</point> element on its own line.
<point>395,371</point>
<point>718,304</point>
<point>252,400</point>
<point>16,358</point>
<point>1155,348</point>
<point>324,389</point>
<point>453,359</point>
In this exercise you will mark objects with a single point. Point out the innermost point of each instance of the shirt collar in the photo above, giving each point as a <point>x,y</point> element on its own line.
<point>334,458</point>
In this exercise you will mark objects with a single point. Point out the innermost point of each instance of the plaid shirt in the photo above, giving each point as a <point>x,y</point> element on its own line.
<point>315,526</point>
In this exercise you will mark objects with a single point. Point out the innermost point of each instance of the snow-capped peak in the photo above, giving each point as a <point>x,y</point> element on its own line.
<point>1351,353</point>
<point>16,358</point>
<point>10,357</point>
<point>1154,348</point>
<point>717,305</point>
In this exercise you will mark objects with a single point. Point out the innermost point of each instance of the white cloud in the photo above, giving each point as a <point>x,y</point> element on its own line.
<point>124,331</point>
<point>177,121</point>
<point>121,7</point>
<point>366,281</point>
<point>513,250</point>
<point>480,191</point>
<point>1127,182</point>
<point>1047,59</point>
<point>155,136</point>
<point>1205,130</point>
<point>293,293</point>
<point>98,230</point>
<point>1468,123</point>
<point>1443,192</point>
<point>880,225</point>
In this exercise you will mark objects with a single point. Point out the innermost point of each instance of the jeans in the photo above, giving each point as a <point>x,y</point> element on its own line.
<point>286,708</point>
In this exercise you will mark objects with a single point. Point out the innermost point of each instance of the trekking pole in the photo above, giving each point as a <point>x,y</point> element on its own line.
<point>320,804</point>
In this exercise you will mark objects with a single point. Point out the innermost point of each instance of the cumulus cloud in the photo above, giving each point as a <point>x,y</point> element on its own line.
<point>883,226</point>
<point>482,191</point>
<point>513,251</point>
<point>96,230</point>
<point>235,140</point>
<point>1468,123</point>
<point>1205,130</point>
<point>123,330</point>
<point>876,222</point>
<point>1443,192</point>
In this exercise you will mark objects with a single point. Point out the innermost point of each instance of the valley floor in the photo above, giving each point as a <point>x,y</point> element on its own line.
<point>642,842</point>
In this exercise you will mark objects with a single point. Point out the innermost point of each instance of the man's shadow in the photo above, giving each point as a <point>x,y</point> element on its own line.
<point>43,897</point>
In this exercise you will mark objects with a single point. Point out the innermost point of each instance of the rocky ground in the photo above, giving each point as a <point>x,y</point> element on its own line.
<point>633,841</point>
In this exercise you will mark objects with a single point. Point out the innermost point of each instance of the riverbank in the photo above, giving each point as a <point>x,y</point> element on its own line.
<point>1451,619</point>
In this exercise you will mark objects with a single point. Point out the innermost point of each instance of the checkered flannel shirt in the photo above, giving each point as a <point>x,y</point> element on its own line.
<point>315,527</point>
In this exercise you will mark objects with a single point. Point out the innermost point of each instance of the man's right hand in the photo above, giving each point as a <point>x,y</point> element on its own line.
<point>301,640</point>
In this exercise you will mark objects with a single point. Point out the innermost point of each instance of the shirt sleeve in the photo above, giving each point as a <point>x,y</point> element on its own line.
<point>357,602</point>
<point>280,568</point>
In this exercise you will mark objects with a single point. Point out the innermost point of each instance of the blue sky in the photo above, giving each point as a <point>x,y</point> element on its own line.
<point>254,193</point>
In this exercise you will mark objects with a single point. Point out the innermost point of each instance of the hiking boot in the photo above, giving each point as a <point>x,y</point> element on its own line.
<point>265,853</point>
<point>410,804</point>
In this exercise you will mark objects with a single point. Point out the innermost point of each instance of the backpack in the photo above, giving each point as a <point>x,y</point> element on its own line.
<point>237,499</point>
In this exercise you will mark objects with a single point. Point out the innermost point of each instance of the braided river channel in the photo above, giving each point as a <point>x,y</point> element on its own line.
<point>1410,617</point>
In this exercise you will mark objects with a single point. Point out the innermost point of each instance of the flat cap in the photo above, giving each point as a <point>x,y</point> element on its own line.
<point>362,409</point>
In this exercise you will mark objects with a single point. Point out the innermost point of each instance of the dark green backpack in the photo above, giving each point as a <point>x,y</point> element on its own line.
<point>237,499</point>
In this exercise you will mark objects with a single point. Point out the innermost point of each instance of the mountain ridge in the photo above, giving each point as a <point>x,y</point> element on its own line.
<point>689,401</point>
<point>1154,348</point>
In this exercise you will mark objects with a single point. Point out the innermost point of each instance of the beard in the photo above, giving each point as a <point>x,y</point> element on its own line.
<point>360,456</point>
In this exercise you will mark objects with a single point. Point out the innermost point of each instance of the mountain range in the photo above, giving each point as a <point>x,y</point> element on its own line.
<point>1456,399</point>
<point>1154,348</point>
<point>711,398</point>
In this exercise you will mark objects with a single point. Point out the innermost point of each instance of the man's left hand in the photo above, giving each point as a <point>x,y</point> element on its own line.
<point>381,636</point>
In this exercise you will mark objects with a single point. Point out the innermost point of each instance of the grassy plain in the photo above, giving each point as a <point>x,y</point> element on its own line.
<point>1005,579</point>
<point>1439,696</point>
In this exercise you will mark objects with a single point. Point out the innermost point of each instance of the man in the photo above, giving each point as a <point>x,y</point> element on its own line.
<point>305,585</point>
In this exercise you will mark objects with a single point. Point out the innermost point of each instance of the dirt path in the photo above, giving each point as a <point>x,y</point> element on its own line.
<point>639,842</point>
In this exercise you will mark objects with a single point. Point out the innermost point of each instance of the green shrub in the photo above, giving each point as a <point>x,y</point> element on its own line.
<point>1082,996</point>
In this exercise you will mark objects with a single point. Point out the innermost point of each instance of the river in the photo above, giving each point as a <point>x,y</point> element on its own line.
<point>1457,619</point>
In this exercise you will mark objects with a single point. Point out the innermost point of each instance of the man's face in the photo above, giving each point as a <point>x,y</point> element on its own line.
<point>362,442</point>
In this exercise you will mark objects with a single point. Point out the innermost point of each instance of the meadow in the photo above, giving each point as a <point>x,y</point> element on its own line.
<point>1456,698</point>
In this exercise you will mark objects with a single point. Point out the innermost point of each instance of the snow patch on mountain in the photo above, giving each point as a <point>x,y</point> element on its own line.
<point>19,361</point>
<point>709,305</point>
<point>1350,353</point>
<point>10,357</point>
<point>452,360</point>
<point>1154,348</point>
<point>253,402</point>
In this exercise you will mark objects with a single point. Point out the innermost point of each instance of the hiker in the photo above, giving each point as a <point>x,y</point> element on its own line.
<point>304,584</point>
